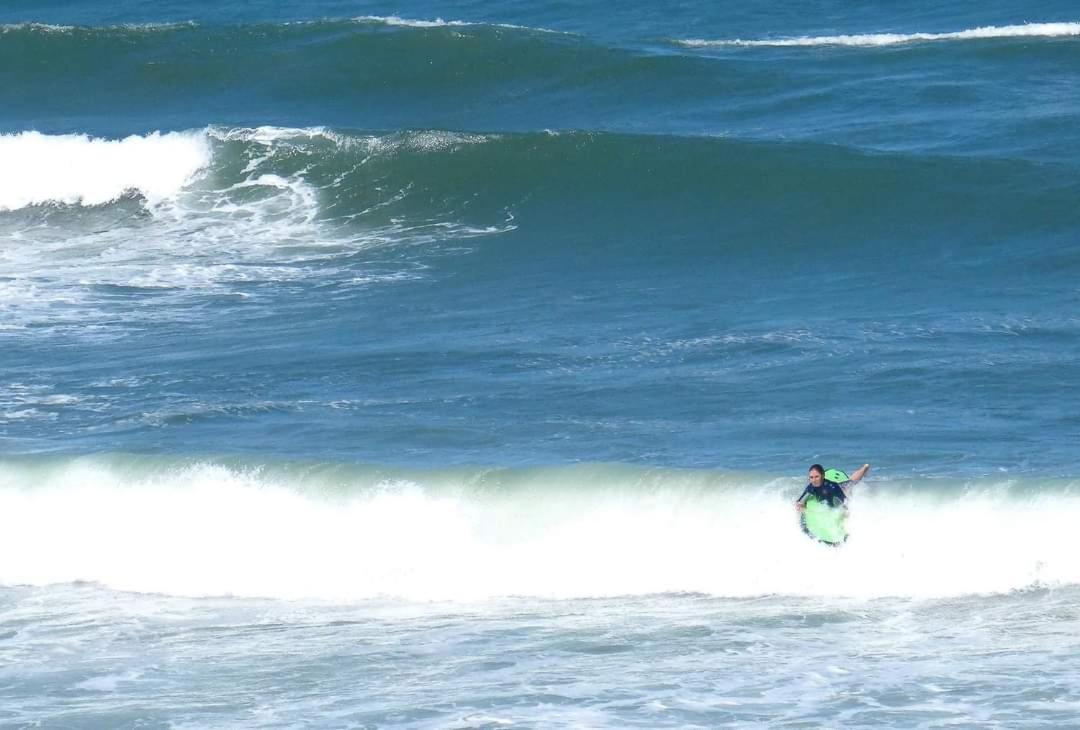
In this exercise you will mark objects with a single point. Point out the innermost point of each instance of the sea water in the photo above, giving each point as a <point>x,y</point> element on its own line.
<point>457,364</point>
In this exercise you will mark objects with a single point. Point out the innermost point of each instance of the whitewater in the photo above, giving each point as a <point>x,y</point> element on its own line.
<point>320,532</point>
<point>459,366</point>
<point>1027,30</point>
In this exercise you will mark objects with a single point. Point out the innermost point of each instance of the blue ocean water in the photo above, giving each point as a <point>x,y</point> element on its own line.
<point>456,365</point>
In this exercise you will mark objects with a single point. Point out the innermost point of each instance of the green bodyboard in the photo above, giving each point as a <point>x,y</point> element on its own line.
<point>825,523</point>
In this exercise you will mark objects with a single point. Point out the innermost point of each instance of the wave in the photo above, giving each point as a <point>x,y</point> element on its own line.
<point>391,72</point>
<point>356,68</point>
<point>342,170</point>
<point>221,210</point>
<point>384,20</point>
<point>334,41</point>
<point>325,531</point>
<point>1026,30</point>
<point>209,212</point>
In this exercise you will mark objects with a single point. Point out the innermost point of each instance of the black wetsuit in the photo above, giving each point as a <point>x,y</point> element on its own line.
<point>830,493</point>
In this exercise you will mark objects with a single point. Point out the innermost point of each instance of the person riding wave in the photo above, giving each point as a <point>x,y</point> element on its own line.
<point>832,493</point>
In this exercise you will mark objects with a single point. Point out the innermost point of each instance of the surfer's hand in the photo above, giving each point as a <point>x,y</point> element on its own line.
<point>800,506</point>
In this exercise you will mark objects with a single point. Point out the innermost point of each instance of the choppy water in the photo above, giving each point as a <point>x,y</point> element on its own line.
<point>458,366</point>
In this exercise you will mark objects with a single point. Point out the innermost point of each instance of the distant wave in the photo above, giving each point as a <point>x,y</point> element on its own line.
<point>310,530</point>
<point>1045,30</point>
<point>387,20</point>
<point>347,61</point>
<point>130,27</point>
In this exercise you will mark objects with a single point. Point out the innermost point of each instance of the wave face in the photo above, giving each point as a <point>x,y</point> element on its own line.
<point>307,530</point>
<point>223,211</point>
<point>345,171</point>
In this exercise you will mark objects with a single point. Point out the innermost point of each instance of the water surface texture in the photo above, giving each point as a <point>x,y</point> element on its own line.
<point>456,365</point>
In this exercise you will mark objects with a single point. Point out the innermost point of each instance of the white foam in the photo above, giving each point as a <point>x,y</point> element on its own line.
<point>201,235</point>
<point>212,211</point>
<point>424,141</point>
<point>409,22</point>
<point>78,169</point>
<point>269,134</point>
<point>1044,30</point>
<point>39,27</point>
<point>395,20</point>
<point>212,530</point>
<point>139,27</point>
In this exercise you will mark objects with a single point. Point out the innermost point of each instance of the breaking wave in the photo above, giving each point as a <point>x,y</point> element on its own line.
<point>352,533</point>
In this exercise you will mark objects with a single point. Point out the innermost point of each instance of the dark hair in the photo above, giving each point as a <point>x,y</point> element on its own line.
<point>820,469</point>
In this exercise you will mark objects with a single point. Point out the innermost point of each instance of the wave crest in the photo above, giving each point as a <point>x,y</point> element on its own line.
<point>324,531</point>
<point>1026,30</point>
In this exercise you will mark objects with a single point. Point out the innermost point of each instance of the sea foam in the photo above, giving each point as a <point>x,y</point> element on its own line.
<point>592,531</point>
<point>81,170</point>
<point>396,20</point>
<point>1046,30</point>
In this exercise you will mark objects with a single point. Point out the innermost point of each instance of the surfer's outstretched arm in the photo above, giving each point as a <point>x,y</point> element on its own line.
<point>856,477</point>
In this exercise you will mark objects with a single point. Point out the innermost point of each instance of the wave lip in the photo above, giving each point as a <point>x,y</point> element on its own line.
<point>1026,30</point>
<point>78,169</point>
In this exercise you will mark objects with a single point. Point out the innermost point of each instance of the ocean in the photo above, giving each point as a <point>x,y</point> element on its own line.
<point>456,365</point>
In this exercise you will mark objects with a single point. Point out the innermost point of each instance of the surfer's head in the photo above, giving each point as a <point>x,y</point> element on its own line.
<point>817,473</point>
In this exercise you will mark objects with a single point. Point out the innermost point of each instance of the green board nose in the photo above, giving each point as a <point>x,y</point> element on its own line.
<point>825,523</point>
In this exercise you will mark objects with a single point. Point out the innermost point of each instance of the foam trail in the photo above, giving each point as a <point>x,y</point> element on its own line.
<point>398,21</point>
<point>211,529</point>
<point>1042,30</point>
<point>136,27</point>
<point>78,169</point>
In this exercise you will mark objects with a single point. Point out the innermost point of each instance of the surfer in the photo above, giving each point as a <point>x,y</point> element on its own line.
<point>833,493</point>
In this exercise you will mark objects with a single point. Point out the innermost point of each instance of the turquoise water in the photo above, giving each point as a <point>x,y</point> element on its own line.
<point>457,365</point>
